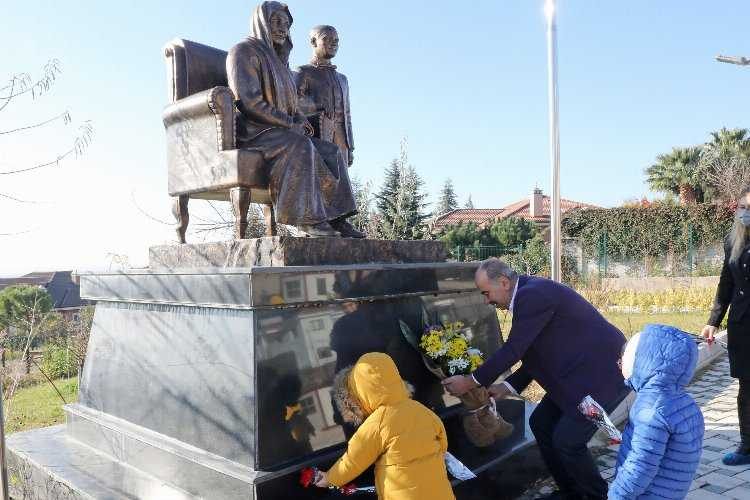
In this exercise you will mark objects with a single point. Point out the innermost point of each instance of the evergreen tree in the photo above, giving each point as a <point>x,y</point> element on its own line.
<point>469,203</point>
<point>385,198</point>
<point>363,200</point>
<point>511,232</point>
<point>447,201</point>
<point>463,235</point>
<point>400,202</point>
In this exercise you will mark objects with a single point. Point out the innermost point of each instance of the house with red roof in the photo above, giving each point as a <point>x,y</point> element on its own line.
<point>536,208</point>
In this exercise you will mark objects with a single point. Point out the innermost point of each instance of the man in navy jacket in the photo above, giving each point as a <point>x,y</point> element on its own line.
<point>571,351</point>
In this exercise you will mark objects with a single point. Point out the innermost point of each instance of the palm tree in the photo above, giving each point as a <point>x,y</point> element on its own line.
<point>729,140</point>
<point>678,172</point>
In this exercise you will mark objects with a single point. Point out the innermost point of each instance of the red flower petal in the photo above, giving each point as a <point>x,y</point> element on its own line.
<point>306,477</point>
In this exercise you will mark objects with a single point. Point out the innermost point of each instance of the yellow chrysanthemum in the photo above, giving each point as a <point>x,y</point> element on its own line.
<point>431,344</point>
<point>457,347</point>
<point>476,361</point>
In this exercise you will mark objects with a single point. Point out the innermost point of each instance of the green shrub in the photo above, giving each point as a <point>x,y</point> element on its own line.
<point>58,362</point>
<point>655,230</point>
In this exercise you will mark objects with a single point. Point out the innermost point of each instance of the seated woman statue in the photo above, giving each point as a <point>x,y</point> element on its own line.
<point>308,178</point>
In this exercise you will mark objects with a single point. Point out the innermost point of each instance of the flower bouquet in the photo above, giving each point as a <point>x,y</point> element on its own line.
<point>594,412</point>
<point>446,351</point>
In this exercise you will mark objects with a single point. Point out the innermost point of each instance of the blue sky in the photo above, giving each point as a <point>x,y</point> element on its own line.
<point>465,83</point>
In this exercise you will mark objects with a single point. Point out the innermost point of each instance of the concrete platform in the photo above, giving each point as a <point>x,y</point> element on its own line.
<point>46,464</point>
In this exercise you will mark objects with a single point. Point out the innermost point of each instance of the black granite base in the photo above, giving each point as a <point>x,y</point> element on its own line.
<point>217,383</point>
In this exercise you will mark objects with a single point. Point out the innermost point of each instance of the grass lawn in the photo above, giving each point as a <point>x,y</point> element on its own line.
<point>629,324</point>
<point>39,405</point>
<point>632,323</point>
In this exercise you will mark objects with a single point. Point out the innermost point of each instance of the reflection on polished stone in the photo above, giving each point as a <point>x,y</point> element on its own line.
<point>218,382</point>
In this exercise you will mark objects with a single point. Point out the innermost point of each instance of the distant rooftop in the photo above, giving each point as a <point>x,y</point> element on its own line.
<point>536,208</point>
<point>64,291</point>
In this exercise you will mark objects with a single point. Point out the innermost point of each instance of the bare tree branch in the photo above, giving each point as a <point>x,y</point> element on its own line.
<point>2,195</point>
<point>17,233</point>
<point>728,173</point>
<point>65,116</point>
<point>79,146</point>
<point>21,83</point>
<point>135,203</point>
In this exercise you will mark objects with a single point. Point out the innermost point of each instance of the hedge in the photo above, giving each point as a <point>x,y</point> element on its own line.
<point>648,231</point>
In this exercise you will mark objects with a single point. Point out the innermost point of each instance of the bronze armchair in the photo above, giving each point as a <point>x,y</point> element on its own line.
<point>203,162</point>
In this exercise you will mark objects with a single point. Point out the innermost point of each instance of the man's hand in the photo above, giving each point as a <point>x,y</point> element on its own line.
<point>499,391</point>
<point>458,385</point>
<point>709,332</point>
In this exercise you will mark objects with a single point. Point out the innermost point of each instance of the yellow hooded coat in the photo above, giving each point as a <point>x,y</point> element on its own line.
<point>404,439</point>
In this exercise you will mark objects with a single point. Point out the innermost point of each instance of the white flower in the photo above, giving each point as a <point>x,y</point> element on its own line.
<point>471,351</point>
<point>457,364</point>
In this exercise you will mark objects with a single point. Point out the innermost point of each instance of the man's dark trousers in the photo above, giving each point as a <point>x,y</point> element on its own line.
<point>562,442</point>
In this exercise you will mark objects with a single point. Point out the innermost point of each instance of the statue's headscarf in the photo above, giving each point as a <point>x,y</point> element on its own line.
<point>261,27</point>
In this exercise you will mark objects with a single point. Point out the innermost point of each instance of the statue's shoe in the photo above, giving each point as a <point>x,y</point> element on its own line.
<point>321,230</point>
<point>346,229</point>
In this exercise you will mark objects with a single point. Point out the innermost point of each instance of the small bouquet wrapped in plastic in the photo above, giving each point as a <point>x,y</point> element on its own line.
<point>594,412</point>
<point>311,475</point>
<point>446,351</point>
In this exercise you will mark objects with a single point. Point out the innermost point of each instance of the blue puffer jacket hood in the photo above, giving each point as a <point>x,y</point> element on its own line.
<point>662,358</point>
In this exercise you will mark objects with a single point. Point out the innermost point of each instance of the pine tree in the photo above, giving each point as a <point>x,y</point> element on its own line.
<point>447,202</point>
<point>400,202</point>
<point>363,199</point>
<point>469,203</point>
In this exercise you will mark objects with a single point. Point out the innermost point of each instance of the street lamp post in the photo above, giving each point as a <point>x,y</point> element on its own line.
<point>554,140</point>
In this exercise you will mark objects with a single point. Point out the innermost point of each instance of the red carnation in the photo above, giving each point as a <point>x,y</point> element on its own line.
<point>307,476</point>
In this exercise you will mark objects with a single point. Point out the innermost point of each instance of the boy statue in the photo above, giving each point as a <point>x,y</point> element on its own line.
<point>308,177</point>
<point>324,92</point>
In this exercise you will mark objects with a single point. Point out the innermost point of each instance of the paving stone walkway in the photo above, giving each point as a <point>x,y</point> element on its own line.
<point>716,393</point>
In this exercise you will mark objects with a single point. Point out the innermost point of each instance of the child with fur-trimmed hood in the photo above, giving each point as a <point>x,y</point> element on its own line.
<point>403,438</point>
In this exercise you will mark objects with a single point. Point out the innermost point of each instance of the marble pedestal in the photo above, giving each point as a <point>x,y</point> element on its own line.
<point>216,382</point>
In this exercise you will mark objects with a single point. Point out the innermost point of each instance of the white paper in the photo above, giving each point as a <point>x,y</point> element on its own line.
<point>457,469</point>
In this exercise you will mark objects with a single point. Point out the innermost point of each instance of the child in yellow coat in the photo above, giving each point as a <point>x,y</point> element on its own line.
<point>404,439</point>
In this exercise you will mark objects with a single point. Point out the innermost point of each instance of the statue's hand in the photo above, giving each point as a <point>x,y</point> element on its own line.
<point>309,131</point>
<point>302,126</point>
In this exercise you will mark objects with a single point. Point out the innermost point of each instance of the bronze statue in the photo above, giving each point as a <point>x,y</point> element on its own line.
<point>326,92</point>
<point>308,178</point>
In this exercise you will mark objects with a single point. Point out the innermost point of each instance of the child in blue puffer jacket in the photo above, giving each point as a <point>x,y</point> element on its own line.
<point>661,445</point>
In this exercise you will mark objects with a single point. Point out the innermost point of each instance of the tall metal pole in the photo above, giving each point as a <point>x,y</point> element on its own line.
<point>554,140</point>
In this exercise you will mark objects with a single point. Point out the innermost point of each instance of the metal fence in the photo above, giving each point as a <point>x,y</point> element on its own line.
<point>697,259</point>
<point>481,252</point>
